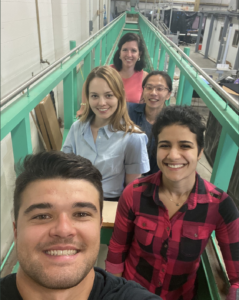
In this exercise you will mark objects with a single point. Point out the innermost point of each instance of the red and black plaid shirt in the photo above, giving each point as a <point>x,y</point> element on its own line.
<point>163,254</point>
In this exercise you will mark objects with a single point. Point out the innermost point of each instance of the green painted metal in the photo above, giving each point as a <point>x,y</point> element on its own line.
<point>15,268</point>
<point>110,57</point>
<point>108,42</point>
<point>171,68</point>
<point>103,50</point>
<point>187,93</point>
<point>7,256</point>
<point>162,58</point>
<point>131,26</point>
<point>72,46</point>
<point>226,117</point>
<point>153,40</point>
<point>12,115</point>
<point>15,118</point>
<point>202,286</point>
<point>21,139</point>
<point>87,64</point>
<point>68,93</point>
<point>220,259</point>
<point>212,286</point>
<point>105,235</point>
<point>97,54</point>
<point>156,55</point>
<point>182,81</point>
<point>224,114</point>
<point>224,162</point>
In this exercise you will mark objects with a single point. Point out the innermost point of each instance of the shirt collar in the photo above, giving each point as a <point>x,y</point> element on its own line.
<point>140,107</point>
<point>199,194</point>
<point>106,128</point>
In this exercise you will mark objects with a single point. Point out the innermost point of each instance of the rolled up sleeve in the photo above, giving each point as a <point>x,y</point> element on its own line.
<point>70,142</point>
<point>227,234</point>
<point>136,155</point>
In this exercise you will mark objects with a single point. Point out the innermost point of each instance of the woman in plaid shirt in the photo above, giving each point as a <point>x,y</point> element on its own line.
<point>164,220</point>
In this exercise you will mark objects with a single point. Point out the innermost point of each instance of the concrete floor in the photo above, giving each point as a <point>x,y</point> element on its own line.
<point>198,58</point>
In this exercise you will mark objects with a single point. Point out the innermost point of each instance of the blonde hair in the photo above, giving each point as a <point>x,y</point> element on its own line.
<point>120,120</point>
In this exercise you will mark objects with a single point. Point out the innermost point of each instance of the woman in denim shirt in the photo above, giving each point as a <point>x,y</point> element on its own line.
<point>106,136</point>
<point>157,87</point>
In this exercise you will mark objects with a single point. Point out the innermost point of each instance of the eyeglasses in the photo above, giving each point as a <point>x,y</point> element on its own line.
<point>158,89</point>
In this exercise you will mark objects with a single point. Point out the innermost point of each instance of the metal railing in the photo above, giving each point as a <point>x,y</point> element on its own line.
<point>15,116</point>
<point>38,76</point>
<point>227,97</point>
<point>189,80</point>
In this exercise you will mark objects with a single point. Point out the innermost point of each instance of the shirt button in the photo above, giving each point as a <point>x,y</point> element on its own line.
<point>165,246</point>
<point>195,235</point>
<point>99,137</point>
<point>144,224</point>
<point>163,270</point>
<point>159,283</point>
<point>168,228</point>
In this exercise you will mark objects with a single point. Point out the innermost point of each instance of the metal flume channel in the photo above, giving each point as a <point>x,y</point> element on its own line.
<point>15,116</point>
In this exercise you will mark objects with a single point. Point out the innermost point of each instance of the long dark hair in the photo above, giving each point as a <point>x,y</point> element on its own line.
<point>128,37</point>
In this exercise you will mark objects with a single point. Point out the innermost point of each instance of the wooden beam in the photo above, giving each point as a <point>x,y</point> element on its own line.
<point>196,5</point>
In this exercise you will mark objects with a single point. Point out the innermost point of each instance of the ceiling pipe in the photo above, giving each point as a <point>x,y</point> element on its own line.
<point>42,61</point>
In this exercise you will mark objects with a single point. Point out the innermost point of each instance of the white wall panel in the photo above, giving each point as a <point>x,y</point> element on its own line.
<point>60,22</point>
<point>232,51</point>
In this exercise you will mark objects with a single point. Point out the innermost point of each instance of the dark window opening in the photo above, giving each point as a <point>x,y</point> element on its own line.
<point>220,35</point>
<point>235,40</point>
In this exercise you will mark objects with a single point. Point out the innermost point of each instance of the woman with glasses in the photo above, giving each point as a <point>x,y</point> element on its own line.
<point>157,87</point>
<point>164,221</point>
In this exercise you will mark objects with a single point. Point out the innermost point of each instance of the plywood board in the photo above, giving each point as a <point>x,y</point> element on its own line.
<point>51,123</point>
<point>42,127</point>
<point>229,91</point>
<point>109,213</point>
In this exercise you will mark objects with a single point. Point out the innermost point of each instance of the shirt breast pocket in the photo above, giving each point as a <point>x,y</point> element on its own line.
<point>193,241</point>
<point>144,230</point>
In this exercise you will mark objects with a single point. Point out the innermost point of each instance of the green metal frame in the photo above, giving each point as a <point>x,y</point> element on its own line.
<point>227,117</point>
<point>15,117</point>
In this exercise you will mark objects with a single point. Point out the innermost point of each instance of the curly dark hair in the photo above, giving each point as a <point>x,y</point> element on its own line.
<point>181,115</point>
<point>128,37</point>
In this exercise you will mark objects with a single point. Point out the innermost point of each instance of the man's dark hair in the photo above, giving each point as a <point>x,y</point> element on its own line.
<point>161,73</point>
<point>129,37</point>
<point>51,165</point>
<point>184,116</point>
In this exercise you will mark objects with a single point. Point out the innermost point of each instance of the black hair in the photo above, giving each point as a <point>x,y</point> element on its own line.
<point>51,165</point>
<point>128,37</point>
<point>184,116</point>
<point>161,73</point>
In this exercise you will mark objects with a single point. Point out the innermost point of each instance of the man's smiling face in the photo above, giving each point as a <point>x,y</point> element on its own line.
<point>57,234</point>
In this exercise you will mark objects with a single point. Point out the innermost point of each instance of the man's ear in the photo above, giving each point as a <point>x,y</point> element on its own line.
<point>201,153</point>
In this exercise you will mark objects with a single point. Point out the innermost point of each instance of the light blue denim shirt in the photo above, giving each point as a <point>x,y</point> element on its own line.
<point>114,154</point>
